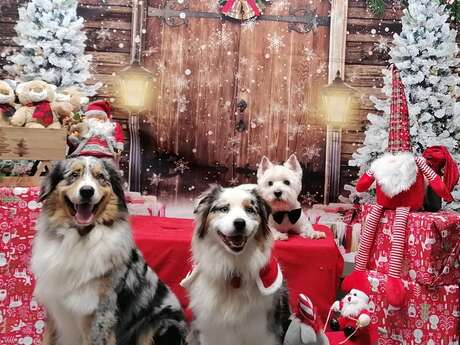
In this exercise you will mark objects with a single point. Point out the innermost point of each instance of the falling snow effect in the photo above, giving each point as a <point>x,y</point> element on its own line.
<point>181,166</point>
<point>275,42</point>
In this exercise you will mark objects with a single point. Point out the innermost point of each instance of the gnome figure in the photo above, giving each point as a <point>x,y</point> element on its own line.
<point>400,179</point>
<point>354,318</point>
<point>100,136</point>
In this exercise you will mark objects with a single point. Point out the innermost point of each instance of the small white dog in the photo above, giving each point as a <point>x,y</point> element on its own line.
<point>280,186</point>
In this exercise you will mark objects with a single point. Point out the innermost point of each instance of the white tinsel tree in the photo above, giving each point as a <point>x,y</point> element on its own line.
<point>52,43</point>
<point>425,54</point>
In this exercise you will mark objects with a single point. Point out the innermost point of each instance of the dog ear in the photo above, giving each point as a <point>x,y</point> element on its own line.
<point>264,165</point>
<point>117,184</point>
<point>293,164</point>
<point>50,182</point>
<point>264,211</point>
<point>203,207</point>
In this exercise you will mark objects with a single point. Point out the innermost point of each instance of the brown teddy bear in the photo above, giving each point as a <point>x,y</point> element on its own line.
<point>7,105</point>
<point>39,108</point>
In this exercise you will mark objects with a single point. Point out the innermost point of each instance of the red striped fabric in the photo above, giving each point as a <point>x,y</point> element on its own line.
<point>398,241</point>
<point>367,237</point>
<point>425,168</point>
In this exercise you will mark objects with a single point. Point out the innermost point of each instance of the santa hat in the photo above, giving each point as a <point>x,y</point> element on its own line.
<point>441,161</point>
<point>99,108</point>
<point>399,135</point>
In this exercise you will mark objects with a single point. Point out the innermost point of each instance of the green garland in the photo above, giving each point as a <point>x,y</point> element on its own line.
<point>377,7</point>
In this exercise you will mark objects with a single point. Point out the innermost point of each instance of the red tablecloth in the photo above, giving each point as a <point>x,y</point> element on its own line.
<point>312,267</point>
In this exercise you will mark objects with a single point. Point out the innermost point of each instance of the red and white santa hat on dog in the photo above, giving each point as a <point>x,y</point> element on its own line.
<point>100,107</point>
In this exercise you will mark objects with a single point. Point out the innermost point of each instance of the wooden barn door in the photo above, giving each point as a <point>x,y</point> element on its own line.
<point>227,93</point>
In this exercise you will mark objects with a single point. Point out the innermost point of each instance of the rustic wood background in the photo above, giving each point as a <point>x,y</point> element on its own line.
<point>280,90</point>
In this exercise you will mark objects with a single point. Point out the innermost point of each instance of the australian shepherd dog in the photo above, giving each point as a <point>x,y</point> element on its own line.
<point>236,288</point>
<point>91,278</point>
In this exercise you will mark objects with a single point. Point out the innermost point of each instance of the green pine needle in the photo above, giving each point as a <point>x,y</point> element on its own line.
<point>377,7</point>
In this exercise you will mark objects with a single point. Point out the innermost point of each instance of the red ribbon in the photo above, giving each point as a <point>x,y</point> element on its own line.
<point>43,113</point>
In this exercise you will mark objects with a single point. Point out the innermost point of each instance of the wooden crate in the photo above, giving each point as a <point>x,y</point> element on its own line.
<point>17,143</point>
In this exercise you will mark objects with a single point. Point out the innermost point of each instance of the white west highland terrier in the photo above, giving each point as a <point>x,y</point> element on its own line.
<point>280,186</point>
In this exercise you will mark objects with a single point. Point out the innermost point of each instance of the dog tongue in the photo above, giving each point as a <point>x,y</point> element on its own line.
<point>84,213</point>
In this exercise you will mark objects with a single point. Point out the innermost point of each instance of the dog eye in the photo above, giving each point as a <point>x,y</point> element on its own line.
<point>250,210</point>
<point>286,182</point>
<point>270,183</point>
<point>100,177</point>
<point>224,209</point>
<point>74,174</point>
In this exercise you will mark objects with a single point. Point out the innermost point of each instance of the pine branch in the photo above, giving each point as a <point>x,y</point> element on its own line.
<point>377,7</point>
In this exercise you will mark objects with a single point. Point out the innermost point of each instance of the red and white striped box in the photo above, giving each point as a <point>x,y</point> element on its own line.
<point>21,318</point>
<point>431,316</point>
<point>432,247</point>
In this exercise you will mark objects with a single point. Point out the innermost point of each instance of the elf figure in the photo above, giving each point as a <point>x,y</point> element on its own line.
<point>400,178</point>
<point>354,318</point>
<point>101,137</point>
<point>242,9</point>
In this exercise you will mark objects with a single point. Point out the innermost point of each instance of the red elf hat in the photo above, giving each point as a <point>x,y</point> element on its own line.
<point>399,135</point>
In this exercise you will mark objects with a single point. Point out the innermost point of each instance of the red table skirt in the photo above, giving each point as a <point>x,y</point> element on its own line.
<point>312,267</point>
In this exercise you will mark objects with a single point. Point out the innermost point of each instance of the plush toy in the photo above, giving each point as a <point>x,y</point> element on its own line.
<point>100,136</point>
<point>441,161</point>
<point>76,98</point>
<point>400,186</point>
<point>7,105</point>
<point>354,318</point>
<point>306,326</point>
<point>39,108</point>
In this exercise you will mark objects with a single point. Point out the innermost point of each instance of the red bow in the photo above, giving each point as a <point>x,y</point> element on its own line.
<point>43,113</point>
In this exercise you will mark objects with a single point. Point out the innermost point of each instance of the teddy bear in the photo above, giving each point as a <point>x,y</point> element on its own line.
<point>38,106</point>
<point>7,103</point>
<point>77,99</point>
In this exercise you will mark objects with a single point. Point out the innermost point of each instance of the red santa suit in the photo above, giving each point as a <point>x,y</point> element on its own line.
<point>400,178</point>
<point>104,138</point>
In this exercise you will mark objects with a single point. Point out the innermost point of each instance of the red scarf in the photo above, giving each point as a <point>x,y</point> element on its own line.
<point>42,113</point>
<point>7,110</point>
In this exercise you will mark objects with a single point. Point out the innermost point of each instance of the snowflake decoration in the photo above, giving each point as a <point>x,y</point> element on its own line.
<point>160,66</point>
<point>238,75</point>
<point>308,53</point>
<point>254,148</point>
<point>181,166</point>
<point>310,153</point>
<point>221,38</point>
<point>151,51</point>
<point>180,83</point>
<point>276,108</point>
<point>182,102</point>
<point>260,120</point>
<point>382,46</point>
<point>275,42</point>
<point>279,5</point>
<point>234,150</point>
<point>155,179</point>
<point>249,25</point>
<point>303,107</point>
<point>298,89</point>
<point>244,61</point>
<point>104,35</point>
<point>233,141</point>
<point>233,181</point>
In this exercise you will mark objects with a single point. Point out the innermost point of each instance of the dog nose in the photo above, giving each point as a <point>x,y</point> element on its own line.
<point>278,194</point>
<point>239,224</point>
<point>86,192</point>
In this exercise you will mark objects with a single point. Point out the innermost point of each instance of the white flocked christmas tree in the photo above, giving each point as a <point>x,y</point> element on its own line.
<point>425,53</point>
<point>52,45</point>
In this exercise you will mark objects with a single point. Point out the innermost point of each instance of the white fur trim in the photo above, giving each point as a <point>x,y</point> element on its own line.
<point>360,294</point>
<point>395,173</point>
<point>95,112</point>
<point>272,288</point>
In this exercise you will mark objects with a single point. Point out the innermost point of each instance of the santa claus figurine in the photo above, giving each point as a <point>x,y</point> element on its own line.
<point>100,136</point>
<point>354,318</point>
<point>400,177</point>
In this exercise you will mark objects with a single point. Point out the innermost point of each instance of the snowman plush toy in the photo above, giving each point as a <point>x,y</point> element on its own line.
<point>401,178</point>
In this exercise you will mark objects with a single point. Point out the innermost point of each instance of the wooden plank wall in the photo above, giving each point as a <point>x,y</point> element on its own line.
<point>107,25</point>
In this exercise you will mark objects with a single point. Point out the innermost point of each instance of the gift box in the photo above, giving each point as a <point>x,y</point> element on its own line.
<point>21,318</point>
<point>432,247</point>
<point>431,315</point>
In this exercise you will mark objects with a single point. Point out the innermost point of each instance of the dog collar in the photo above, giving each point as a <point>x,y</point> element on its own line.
<point>293,215</point>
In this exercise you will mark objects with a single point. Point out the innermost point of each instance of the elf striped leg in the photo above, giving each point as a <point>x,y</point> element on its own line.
<point>367,237</point>
<point>358,278</point>
<point>434,180</point>
<point>394,289</point>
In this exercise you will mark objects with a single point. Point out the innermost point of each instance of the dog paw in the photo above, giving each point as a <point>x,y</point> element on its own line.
<point>280,236</point>
<point>315,235</point>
